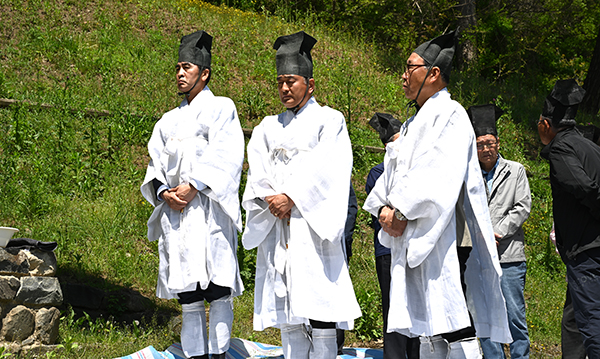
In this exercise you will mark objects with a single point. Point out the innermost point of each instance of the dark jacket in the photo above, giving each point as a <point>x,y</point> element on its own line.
<point>575,179</point>
<point>374,174</point>
<point>350,223</point>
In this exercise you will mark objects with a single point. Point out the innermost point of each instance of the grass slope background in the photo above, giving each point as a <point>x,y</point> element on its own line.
<point>73,178</point>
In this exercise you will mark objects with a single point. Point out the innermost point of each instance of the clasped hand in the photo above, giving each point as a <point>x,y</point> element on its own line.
<point>390,224</point>
<point>178,197</point>
<point>280,205</point>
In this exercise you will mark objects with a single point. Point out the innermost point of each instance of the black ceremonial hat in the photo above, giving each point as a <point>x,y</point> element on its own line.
<point>386,125</point>
<point>561,105</point>
<point>195,48</point>
<point>439,51</point>
<point>293,54</point>
<point>483,118</point>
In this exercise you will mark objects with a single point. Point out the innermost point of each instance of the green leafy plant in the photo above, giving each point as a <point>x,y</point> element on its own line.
<point>369,326</point>
<point>4,354</point>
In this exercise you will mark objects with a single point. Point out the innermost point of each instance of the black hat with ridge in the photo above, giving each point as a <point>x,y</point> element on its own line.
<point>293,54</point>
<point>439,51</point>
<point>562,103</point>
<point>386,125</point>
<point>483,118</point>
<point>195,49</point>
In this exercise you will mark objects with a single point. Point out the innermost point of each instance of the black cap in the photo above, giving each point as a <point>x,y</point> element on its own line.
<point>483,118</point>
<point>561,105</point>
<point>386,125</point>
<point>439,51</point>
<point>293,54</point>
<point>195,49</point>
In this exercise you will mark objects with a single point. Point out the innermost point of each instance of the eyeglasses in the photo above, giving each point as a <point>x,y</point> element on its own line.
<point>482,145</point>
<point>414,67</point>
<point>542,118</point>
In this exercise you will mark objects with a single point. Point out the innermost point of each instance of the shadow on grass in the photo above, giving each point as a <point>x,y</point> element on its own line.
<point>98,297</point>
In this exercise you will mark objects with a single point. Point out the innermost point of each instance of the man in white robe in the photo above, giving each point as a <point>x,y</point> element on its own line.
<point>425,170</point>
<point>296,200</point>
<point>193,178</point>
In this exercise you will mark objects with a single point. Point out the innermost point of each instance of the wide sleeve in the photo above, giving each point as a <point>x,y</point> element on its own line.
<point>319,186</point>
<point>220,165</point>
<point>482,276</point>
<point>519,212</point>
<point>154,170</point>
<point>427,192</point>
<point>259,184</point>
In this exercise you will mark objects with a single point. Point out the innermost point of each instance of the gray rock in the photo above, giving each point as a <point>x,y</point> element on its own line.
<point>40,291</point>
<point>41,351</point>
<point>18,325</point>
<point>46,325</point>
<point>41,263</point>
<point>13,264</point>
<point>9,286</point>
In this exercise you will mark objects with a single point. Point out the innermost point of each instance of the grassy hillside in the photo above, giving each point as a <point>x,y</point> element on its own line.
<point>74,178</point>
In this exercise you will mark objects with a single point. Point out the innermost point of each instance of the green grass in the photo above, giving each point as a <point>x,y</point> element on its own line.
<point>74,179</point>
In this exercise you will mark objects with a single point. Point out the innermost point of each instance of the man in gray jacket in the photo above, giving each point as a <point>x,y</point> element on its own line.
<point>509,201</point>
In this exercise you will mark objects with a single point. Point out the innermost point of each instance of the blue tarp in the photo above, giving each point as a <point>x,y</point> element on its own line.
<point>245,349</point>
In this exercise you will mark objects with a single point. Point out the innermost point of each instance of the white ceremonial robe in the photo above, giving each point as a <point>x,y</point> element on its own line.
<point>425,169</point>
<point>301,271</point>
<point>200,143</point>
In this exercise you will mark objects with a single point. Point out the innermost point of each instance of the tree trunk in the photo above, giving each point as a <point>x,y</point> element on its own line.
<point>591,101</point>
<point>467,51</point>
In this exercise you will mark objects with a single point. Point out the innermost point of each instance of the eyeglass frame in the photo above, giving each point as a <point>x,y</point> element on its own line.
<point>483,145</point>
<point>542,118</point>
<point>408,66</point>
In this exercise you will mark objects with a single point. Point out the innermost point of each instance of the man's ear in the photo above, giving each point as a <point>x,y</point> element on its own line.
<point>434,74</point>
<point>545,124</point>
<point>545,130</point>
<point>204,75</point>
<point>311,86</point>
